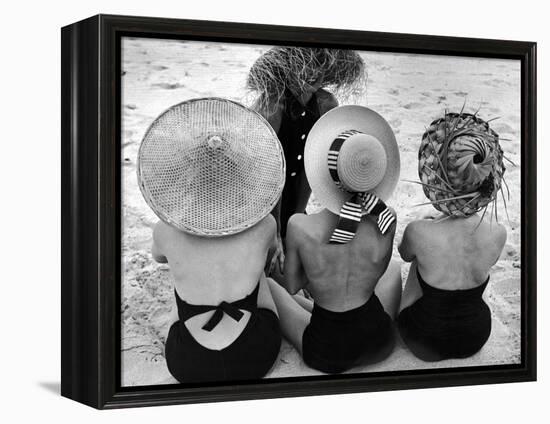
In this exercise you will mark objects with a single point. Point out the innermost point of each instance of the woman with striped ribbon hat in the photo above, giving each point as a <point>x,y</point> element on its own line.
<point>342,254</point>
<point>293,87</point>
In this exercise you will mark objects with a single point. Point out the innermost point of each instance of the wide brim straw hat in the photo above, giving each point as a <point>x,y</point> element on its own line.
<point>211,167</point>
<point>368,160</point>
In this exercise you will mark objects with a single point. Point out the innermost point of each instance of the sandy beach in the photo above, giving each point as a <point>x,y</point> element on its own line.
<point>410,91</point>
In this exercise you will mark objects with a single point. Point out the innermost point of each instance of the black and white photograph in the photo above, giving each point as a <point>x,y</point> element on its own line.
<point>291,211</point>
<point>288,212</point>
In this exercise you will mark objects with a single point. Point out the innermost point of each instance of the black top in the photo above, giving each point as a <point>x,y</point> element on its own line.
<point>446,324</point>
<point>188,310</point>
<point>249,357</point>
<point>334,342</point>
<point>448,302</point>
<point>297,120</point>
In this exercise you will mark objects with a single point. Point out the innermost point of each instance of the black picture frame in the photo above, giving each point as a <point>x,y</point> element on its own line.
<point>91,209</point>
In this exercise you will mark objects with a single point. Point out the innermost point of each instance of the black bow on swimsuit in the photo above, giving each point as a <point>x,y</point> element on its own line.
<point>249,357</point>
<point>233,309</point>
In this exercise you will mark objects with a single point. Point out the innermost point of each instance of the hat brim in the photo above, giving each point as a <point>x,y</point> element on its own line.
<point>219,211</point>
<point>320,138</point>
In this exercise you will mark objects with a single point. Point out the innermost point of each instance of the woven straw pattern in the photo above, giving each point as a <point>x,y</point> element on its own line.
<point>211,167</point>
<point>460,164</point>
<point>342,72</point>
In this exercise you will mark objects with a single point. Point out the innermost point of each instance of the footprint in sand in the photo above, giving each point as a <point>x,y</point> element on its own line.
<point>509,253</point>
<point>503,127</point>
<point>496,82</point>
<point>395,123</point>
<point>412,105</point>
<point>168,85</point>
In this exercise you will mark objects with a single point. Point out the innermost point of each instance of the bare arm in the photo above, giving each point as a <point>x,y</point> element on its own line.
<point>274,117</point>
<point>276,212</point>
<point>406,248</point>
<point>500,241</point>
<point>295,276</point>
<point>155,249</point>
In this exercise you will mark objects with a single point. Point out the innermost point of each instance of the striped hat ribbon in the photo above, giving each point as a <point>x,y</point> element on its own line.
<point>352,210</point>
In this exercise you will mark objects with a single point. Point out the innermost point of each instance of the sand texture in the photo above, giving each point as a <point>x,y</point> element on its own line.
<point>408,90</point>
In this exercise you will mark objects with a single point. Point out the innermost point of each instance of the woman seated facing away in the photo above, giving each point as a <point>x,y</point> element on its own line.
<point>290,86</point>
<point>443,314</point>
<point>214,189</point>
<point>342,255</point>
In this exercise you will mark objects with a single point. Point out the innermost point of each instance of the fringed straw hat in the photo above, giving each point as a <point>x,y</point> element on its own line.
<point>367,159</point>
<point>296,68</point>
<point>211,167</point>
<point>460,164</point>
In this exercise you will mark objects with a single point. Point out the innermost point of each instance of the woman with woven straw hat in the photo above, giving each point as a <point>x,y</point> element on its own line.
<point>212,170</point>
<point>342,254</point>
<point>442,313</point>
<point>290,85</point>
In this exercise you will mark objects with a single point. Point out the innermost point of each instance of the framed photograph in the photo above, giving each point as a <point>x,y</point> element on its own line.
<point>254,211</point>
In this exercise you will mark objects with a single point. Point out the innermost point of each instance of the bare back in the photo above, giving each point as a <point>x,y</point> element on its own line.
<point>208,271</point>
<point>339,277</point>
<point>453,254</point>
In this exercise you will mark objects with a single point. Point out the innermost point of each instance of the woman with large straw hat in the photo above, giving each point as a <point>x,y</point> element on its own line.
<point>342,254</point>
<point>290,85</point>
<point>461,170</point>
<point>212,170</point>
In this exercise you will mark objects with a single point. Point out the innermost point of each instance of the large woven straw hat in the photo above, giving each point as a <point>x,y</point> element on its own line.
<point>368,161</point>
<point>211,167</point>
<point>460,164</point>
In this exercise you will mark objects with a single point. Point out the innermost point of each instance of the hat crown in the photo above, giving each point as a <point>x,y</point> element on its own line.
<point>362,163</point>
<point>320,142</point>
<point>211,167</point>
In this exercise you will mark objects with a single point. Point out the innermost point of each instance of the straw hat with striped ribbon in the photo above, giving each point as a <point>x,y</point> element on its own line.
<point>211,167</point>
<point>352,165</point>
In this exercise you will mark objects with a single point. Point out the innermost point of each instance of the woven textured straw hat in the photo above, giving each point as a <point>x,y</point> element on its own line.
<point>211,167</point>
<point>460,164</point>
<point>368,161</point>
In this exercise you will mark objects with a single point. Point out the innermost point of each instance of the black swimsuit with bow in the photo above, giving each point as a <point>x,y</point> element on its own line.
<point>249,357</point>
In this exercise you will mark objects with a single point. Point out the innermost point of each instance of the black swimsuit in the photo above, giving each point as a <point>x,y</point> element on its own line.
<point>297,120</point>
<point>446,324</point>
<point>249,357</point>
<point>334,342</point>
